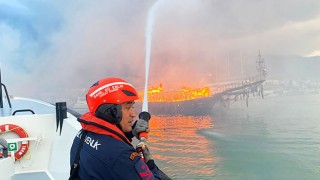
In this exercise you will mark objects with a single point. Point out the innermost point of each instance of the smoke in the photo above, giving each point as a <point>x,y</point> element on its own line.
<point>53,48</point>
<point>190,41</point>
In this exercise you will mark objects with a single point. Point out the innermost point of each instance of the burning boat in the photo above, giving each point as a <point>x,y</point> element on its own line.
<point>185,101</point>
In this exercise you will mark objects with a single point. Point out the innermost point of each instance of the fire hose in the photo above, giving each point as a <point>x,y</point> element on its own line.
<point>143,136</point>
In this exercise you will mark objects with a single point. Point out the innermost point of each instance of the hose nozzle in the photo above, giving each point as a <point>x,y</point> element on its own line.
<point>144,115</point>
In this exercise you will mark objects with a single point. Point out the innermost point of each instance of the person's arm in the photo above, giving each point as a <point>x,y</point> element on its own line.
<point>151,163</point>
<point>149,160</point>
<point>130,166</point>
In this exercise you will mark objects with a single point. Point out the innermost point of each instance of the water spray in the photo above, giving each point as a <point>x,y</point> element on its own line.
<point>144,115</point>
<point>149,30</point>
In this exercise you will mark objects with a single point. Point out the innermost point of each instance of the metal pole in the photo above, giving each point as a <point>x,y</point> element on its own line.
<point>1,98</point>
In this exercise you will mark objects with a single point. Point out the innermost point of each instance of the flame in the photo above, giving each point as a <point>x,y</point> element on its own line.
<point>158,95</point>
<point>153,90</point>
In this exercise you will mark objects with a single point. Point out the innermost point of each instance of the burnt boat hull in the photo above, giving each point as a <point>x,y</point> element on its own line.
<point>201,106</point>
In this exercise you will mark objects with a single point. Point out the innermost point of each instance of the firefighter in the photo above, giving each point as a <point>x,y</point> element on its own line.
<point>102,149</point>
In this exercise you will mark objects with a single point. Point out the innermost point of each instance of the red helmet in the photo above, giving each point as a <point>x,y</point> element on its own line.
<point>111,91</point>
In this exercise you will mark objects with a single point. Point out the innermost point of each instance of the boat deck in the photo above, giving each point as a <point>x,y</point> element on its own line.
<point>38,107</point>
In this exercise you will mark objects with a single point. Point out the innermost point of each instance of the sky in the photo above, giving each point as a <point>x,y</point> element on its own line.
<point>60,47</point>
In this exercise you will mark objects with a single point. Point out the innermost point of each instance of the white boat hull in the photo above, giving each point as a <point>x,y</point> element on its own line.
<point>48,152</point>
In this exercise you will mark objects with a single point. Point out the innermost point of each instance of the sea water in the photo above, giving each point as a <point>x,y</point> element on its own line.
<point>273,138</point>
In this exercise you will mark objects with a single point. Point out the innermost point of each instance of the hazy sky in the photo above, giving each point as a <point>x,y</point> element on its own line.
<point>51,46</point>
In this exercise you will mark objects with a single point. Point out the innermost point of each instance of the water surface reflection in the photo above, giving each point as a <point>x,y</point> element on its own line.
<point>179,150</point>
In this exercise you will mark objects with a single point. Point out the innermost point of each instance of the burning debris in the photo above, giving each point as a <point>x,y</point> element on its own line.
<point>183,94</point>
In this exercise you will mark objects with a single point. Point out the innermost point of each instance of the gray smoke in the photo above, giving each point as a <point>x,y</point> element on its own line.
<point>60,49</point>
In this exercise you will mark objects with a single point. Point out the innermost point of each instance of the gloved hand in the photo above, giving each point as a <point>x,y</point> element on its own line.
<point>146,153</point>
<point>144,148</point>
<point>140,126</point>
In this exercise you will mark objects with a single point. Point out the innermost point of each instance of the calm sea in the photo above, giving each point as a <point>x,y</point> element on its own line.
<point>273,138</point>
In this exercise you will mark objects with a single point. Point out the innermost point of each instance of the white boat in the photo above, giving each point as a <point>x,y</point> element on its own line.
<point>45,150</point>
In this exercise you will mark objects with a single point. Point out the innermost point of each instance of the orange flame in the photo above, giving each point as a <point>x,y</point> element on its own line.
<point>153,90</point>
<point>183,94</point>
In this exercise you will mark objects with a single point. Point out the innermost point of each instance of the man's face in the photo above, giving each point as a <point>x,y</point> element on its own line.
<point>127,116</point>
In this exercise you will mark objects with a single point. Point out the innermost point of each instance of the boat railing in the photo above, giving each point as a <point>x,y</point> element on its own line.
<point>22,110</point>
<point>7,95</point>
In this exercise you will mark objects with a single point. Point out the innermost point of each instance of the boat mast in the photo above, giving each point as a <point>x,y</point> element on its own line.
<point>261,67</point>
